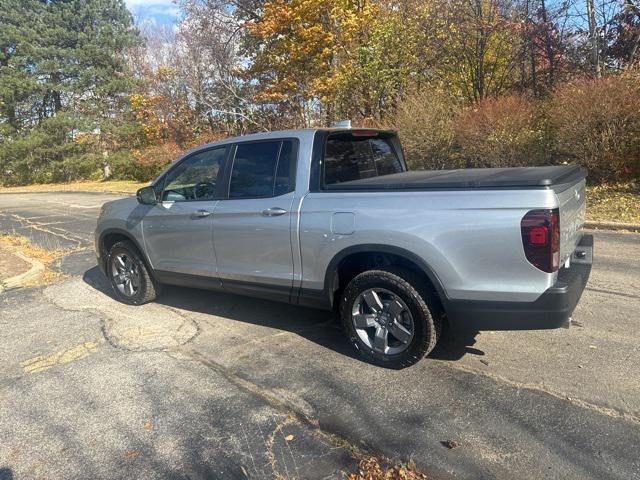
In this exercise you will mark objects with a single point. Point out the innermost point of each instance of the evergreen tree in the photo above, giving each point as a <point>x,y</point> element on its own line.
<point>60,56</point>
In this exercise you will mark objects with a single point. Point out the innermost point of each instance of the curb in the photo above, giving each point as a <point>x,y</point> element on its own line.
<point>37,268</point>
<point>612,226</point>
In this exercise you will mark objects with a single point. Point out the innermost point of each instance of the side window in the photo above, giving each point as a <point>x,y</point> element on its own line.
<point>261,169</point>
<point>286,170</point>
<point>195,178</point>
<point>347,160</point>
<point>385,158</point>
<point>350,157</point>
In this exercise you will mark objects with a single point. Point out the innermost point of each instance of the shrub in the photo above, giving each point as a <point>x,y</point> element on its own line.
<point>87,166</point>
<point>424,121</point>
<point>147,163</point>
<point>596,123</point>
<point>501,132</point>
<point>144,164</point>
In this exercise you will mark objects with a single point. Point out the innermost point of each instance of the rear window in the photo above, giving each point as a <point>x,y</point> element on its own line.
<point>353,156</point>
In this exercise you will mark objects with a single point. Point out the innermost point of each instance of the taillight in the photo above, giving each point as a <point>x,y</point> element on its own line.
<point>365,133</point>
<point>541,238</point>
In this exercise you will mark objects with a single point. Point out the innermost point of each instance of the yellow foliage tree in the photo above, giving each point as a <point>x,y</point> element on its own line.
<point>476,45</point>
<point>305,51</point>
<point>143,106</point>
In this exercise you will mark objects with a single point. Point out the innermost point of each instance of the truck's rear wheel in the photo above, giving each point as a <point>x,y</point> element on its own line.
<point>390,317</point>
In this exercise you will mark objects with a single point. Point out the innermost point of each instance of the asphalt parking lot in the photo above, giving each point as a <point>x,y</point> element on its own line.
<point>208,385</point>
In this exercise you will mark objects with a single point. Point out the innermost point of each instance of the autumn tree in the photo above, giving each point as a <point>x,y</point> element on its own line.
<point>476,44</point>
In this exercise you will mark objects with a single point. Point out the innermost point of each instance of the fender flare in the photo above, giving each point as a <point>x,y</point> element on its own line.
<point>103,255</point>
<point>382,248</point>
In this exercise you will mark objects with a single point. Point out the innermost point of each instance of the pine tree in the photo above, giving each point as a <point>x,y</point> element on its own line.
<point>59,58</point>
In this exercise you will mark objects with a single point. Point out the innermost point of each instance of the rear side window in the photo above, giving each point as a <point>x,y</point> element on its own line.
<point>285,171</point>
<point>262,169</point>
<point>350,157</point>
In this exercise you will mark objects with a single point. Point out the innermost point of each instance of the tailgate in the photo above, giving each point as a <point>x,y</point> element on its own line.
<point>572,214</point>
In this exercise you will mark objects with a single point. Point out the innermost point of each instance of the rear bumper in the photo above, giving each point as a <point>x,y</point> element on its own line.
<point>552,309</point>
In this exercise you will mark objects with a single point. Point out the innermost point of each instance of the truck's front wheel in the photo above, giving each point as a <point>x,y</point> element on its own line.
<point>129,275</point>
<point>390,317</point>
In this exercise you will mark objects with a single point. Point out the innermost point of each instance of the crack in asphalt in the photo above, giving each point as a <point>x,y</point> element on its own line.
<point>279,400</point>
<point>39,226</point>
<point>125,327</point>
<point>612,292</point>
<point>608,411</point>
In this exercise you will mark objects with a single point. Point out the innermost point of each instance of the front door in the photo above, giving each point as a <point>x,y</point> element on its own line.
<point>252,227</point>
<point>178,231</point>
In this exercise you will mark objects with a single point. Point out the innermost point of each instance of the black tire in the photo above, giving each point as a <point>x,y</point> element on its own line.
<point>147,289</point>
<point>421,303</point>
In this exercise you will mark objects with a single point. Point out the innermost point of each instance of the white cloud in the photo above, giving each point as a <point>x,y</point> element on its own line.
<point>154,9</point>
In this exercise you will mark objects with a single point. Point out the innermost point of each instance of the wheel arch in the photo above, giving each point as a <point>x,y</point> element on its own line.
<point>407,257</point>
<point>109,237</point>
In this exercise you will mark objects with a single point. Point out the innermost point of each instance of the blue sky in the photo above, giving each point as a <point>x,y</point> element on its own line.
<point>157,11</point>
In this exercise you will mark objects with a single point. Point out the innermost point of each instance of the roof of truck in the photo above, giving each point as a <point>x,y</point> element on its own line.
<point>292,133</point>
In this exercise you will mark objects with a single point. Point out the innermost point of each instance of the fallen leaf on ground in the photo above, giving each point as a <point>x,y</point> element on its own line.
<point>288,438</point>
<point>371,469</point>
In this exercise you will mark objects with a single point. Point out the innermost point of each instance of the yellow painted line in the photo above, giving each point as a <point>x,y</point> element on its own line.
<point>42,363</point>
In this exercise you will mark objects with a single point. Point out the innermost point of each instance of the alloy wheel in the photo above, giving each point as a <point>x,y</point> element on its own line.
<point>383,321</point>
<point>126,274</point>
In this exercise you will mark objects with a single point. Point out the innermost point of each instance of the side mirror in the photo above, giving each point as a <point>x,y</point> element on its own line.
<point>147,196</point>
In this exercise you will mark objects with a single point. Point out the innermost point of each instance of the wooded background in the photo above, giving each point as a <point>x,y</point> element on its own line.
<point>85,93</point>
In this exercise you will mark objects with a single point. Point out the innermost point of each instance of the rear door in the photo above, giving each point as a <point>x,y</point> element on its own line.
<point>251,227</point>
<point>178,231</point>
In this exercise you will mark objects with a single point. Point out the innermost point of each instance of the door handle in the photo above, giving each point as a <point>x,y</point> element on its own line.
<point>201,213</point>
<point>274,212</point>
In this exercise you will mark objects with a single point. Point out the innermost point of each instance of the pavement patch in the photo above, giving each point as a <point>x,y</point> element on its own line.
<point>134,328</point>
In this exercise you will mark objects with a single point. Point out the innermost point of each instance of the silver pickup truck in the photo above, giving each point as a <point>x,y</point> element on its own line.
<point>331,218</point>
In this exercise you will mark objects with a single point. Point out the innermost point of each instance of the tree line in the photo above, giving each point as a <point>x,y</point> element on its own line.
<point>85,92</point>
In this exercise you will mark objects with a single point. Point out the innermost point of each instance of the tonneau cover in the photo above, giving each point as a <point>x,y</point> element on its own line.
<point>556,177</point>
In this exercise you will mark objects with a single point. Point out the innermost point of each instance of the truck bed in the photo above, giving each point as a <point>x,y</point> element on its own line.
<point>557,178</point>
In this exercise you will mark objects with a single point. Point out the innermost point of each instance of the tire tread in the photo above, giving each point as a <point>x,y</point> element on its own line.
<point>412,285</point>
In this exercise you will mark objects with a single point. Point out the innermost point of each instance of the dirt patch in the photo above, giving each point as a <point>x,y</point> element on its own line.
<point>17,247</point>
<point>11,265</point>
